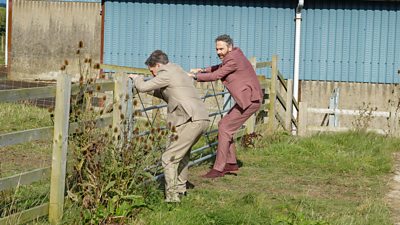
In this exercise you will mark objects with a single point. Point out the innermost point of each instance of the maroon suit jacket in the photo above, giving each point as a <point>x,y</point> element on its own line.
<point>238,76</point>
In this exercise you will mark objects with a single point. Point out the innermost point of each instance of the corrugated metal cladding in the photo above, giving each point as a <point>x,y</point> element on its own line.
<point>186,30</point>
<point>353,41</point>
<point>91,1</point>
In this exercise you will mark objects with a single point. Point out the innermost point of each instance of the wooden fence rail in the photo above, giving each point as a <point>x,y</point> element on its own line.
<point>305,129</point>
<point>63,128</point>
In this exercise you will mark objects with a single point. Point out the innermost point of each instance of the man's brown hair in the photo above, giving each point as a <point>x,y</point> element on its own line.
<point>225,38</point>
<point>157,56</point>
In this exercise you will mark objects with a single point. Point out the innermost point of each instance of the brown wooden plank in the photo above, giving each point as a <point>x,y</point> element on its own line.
<point>281,100</point>
<point>14,95</point>
<point>43,133</point>
<point>24,136</point>
<point>263,64</point>
<point>26,215</point>
<point>125,69</point>
<point>60,147</point>
<point>282,80</point>
<point>24,178</point>
<point>280,120</point>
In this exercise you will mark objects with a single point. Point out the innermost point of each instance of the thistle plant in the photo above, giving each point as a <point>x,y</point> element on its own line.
<point>111,168</point>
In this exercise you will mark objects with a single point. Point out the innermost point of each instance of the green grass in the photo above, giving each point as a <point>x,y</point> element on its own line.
<point>325,179</point>
<point>27,156</point>
<point>17,117</point>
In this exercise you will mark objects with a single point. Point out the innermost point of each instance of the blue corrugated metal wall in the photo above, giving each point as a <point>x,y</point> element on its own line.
<point>186,31</point>
<point>352,41</point>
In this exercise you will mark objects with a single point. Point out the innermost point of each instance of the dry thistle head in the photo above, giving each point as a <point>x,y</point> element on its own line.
<point>102,76</point>
<point>126,97</point>
<point>135,102</point>
<point>78,52</point>
<point>110,126</point>
<point>66,62</point>
<point>152,131</point>
<point>98,88</point>
<point>120,107</point>
<point>122,116</point>
<point>115,129</point>
<point>173,129</point>
<point>104,97</point>
<point>97,67</point>
<point>101,112</point>
<point>147,124</point>
<point>51,109</point>
<point>62,68</point>
<point>80,44</point>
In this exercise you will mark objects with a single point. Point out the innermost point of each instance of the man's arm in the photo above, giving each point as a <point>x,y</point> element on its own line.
<point>227,68</point>
<point>158,82</point>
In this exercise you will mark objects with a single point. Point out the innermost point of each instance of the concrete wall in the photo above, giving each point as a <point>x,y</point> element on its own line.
<point>44,33</point>
<point>354,96</point>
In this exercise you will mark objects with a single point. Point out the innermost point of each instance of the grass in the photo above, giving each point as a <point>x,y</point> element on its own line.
<point>23,157</point>
<point>26,156</point>
<point>325,179</point>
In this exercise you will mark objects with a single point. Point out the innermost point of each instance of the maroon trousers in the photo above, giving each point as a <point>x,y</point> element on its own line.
<point>227,127</point>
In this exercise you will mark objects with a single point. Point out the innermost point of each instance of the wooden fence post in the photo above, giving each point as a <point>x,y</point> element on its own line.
<point>60,145</point>
<point>303,119</point>
<point>121,97</point>
<point>251,122</point>
<point>272,95</point>
<point>394,122</point>
<point>289,106</point>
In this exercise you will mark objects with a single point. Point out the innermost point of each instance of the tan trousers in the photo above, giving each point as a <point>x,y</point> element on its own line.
<point>175,159</point>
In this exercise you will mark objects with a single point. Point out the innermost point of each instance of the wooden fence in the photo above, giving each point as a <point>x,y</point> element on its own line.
<point>62,128</point>
<point>305,129</point>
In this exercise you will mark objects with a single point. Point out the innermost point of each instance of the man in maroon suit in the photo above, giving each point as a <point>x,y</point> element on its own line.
<point>239,77</point>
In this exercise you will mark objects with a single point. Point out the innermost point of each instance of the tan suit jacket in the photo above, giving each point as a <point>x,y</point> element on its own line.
<point>173,85</point>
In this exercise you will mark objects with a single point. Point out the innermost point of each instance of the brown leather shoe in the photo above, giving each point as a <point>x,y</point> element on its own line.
<point>231,168</point>
<point>213,174</point>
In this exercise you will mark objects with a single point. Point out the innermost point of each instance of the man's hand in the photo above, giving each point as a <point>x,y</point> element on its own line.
<point>196,70</point>
<point>133,76</point>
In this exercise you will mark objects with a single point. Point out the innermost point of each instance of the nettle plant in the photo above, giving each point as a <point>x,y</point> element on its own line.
<point>111,169</point>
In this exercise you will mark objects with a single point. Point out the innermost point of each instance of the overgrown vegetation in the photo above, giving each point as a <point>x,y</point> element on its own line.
<point>111,169</point>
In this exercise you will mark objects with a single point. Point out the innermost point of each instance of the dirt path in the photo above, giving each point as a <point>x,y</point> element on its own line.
<point>393,196</point>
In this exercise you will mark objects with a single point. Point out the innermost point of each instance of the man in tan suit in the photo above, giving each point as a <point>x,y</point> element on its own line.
<point>186,111</point>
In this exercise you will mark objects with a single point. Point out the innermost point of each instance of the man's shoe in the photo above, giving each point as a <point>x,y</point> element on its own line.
<point>213,174</point>
<point>182,194</point>
<point>231,168</point>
